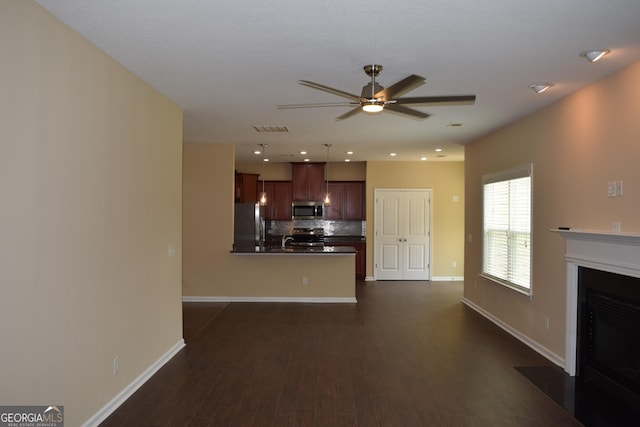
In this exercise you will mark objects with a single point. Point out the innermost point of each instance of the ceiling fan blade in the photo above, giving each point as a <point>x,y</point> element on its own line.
<point>326,104</point>
<point>438,100</point>
<point>401,87</point>
<point>328,89</point>
<point>349,113</point>
<point>415,114</point>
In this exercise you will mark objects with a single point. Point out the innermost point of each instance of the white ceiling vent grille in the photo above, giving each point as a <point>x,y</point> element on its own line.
<point>266,129</point>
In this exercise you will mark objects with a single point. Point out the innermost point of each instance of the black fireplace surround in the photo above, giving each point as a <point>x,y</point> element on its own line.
<point>609,333</point>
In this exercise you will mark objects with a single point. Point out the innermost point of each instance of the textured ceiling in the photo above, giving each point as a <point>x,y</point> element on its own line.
<point>228,64</point>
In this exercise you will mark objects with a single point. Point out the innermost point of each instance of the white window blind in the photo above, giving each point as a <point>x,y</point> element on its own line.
<point>507,228</point>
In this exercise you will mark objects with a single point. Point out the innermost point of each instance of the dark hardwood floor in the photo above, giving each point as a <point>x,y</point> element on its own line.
<point>407,354</point>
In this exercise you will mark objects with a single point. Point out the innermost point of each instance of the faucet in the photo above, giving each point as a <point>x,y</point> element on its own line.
<point>285,239</point>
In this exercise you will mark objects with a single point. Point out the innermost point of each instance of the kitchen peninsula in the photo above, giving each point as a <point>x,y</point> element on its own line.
<point>307,275</point>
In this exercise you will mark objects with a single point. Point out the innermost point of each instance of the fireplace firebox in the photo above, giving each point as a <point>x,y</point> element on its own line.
<point>609,333</point>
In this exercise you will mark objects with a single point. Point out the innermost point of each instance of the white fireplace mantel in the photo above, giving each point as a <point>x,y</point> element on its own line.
<point>614,252</point>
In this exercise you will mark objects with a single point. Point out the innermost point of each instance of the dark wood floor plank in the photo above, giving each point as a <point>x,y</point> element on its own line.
<point>407,354</point>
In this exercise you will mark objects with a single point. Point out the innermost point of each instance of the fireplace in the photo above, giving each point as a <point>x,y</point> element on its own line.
<point>609,333</point>
<point>602,342</point>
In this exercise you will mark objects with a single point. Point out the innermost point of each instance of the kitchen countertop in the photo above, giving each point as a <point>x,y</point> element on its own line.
<point>326,250</point>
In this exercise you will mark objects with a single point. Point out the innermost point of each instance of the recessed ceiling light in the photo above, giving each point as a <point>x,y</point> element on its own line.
<point>540,87</point>
<point>257,152</point>
<point>265,160</point>
<point>307,160</point>
<point>303,152</point>
<point>437,150</point>
<point>347,160</point>
<point>423,158</point>
<point>393,154</point>
<point>594,55</point>
<point>349,152</point>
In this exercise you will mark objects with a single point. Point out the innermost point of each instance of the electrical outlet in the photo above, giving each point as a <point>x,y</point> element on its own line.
<point>619,188</point>
<point>305,281</point>
<point>116,365</point>
<point>454,264</point>
<point>611,189</point>
<point>546,323</point>
<point>615,227</point>
<point>172,250</point>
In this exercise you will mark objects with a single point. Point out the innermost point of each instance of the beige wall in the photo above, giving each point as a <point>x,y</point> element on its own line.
<point>90,167</point>
<point>210,270</point>
<point>446,180</point>
<point>576,146</point>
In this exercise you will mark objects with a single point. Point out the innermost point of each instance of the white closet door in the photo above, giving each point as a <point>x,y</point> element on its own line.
<point>402,234</point>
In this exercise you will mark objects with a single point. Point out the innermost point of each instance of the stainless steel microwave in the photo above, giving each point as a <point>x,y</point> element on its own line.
<point>306,210</point>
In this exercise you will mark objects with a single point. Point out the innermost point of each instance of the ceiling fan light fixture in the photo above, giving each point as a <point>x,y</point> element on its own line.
<point>372,106</point>
<point>540,87</point>
<point>594,55</point>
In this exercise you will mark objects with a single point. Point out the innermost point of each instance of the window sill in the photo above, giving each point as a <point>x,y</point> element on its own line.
<point>508,285</point>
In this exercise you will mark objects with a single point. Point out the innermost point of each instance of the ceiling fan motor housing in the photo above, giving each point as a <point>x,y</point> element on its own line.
<point>369,90</point>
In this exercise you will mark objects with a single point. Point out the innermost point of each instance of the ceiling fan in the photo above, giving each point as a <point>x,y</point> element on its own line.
<point>375,98</point>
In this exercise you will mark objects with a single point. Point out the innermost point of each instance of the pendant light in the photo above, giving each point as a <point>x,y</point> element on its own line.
<point>263,194</point>
<point>327,196</point>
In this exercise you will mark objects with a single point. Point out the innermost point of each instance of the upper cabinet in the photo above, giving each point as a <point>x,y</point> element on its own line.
<point>307,181</point>
<point>347,201</point>
<point>354,206</point>
<point>246,185</point>
<point>278,200</point>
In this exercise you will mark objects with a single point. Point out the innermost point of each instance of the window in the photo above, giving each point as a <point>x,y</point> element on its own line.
<point>507,228</point>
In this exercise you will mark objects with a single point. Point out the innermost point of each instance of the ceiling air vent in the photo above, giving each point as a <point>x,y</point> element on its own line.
<point>263,129</point>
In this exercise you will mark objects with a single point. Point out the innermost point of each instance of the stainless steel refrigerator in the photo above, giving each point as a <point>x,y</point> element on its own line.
<point>249,226</point>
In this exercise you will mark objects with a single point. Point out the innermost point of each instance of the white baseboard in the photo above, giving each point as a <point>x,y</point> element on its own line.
<point>433,279</point>
<point>553,358</point>
<point>306,300</point>
<point>120,398</point>
<point>447,279</point>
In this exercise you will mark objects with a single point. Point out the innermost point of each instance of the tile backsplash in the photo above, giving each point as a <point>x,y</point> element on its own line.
<point>331,228</point>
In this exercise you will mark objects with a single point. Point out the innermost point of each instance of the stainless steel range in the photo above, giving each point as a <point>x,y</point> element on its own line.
<point>308,237</point>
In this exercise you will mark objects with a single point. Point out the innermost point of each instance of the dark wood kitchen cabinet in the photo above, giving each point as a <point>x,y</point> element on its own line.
<point>278,199</point>
<point>334,211</point>
<point>347,201</point>
<point>307,181</point>
<point>246,185</point>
